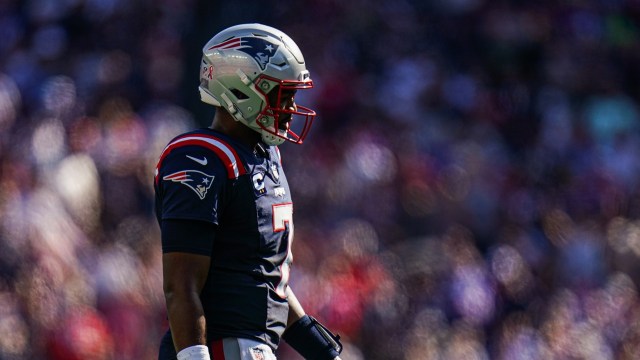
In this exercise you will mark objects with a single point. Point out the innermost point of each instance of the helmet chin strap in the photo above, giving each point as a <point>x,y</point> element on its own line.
<point>271,139</point>
<point>231,108</point>
<point>270,133</point>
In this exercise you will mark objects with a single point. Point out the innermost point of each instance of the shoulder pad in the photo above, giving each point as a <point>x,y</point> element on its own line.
<point>221,148</point>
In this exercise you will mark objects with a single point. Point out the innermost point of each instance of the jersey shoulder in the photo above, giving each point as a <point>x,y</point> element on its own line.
<point>200,151</point>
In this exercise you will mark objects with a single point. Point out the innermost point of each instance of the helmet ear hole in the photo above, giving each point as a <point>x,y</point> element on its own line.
<point>239,94</point>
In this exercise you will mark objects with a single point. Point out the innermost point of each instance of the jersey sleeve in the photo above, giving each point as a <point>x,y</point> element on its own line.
<point>187,236</point>
<point>190,185</point>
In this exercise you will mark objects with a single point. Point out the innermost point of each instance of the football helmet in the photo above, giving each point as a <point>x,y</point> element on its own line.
<point>242,66</point>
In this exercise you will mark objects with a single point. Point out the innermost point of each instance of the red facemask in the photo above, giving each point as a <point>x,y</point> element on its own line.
<point>284,117</point>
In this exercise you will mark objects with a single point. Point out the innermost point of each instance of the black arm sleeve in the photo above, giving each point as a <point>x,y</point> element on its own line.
<point>190,236</point>
<point>313,340</point>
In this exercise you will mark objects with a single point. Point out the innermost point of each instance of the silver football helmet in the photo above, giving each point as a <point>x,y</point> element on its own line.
<point>242,65</point>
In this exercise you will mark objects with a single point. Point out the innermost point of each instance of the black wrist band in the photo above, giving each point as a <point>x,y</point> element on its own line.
<point>312,340</point>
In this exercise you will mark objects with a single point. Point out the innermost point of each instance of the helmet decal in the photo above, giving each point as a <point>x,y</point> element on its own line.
<point>259,49</point>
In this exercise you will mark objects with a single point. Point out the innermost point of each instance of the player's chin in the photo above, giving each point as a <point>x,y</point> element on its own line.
<point>284,124</point>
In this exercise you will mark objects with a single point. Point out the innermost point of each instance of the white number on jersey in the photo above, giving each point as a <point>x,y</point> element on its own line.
<point>283,215</point>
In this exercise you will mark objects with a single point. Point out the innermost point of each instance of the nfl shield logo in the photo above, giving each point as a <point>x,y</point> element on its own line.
<point>257,354</point>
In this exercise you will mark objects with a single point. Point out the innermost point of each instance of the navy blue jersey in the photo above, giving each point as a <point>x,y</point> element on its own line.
<point>207,176</point>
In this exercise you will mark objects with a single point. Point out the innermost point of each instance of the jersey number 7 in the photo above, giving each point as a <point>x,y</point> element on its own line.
<point>283,215</point>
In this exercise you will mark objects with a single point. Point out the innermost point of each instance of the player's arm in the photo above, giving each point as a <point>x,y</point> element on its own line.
<point>296,312</point>
<point>307,336</point>
<point>184,275</point>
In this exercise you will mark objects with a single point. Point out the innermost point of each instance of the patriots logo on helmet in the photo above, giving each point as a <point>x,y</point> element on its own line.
<point>196,180</point>
<point>260,50</point>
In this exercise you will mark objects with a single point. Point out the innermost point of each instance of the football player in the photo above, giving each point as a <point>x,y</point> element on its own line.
<point>225,210</point>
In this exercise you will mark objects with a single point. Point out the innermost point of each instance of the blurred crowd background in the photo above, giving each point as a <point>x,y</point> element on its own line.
<point>470,189</point>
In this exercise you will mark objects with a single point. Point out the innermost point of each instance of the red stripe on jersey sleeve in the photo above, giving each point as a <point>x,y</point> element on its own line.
<point>231,162</point>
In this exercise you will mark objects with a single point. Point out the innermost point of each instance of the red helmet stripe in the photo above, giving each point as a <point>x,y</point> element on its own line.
<point>226,44</point>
